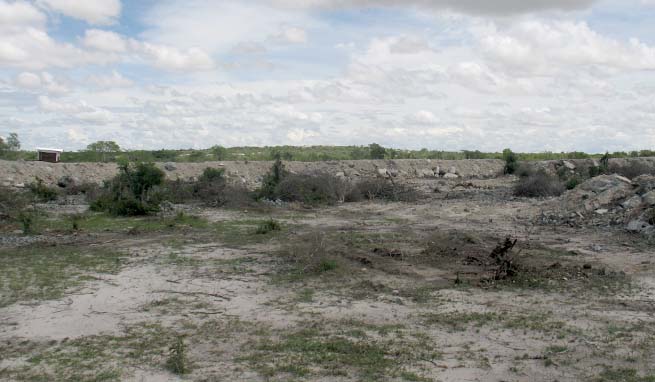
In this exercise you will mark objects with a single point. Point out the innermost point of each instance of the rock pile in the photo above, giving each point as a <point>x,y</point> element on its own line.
<point>618,199</point>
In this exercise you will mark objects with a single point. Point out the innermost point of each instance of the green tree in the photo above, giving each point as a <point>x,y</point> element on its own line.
<point>376,151</point>
<point>104,147</point>
<point>130,193</point>
<point>3,145</point>
<point>511,161</point>
<point>13,143</point>
<point>219,153</point>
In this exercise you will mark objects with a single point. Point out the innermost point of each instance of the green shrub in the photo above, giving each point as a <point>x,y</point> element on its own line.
<point>177,360</point>
<point>381,189</point>
<point>511,161</point>
<point>212,175</point>
<point>539,184</point>
<point>43,192</point>
<point>11,203</point>
<point>272,179</point>
<point>132,191</point>
<point>572,183</point>
<point>27,220</point>
<point>75,220</point>
<point>310,255</point>
<point>268,226</point>
<point>632,169</point>
<point>315,189</point>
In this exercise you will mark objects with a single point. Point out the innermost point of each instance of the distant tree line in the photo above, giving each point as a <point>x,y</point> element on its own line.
<point>110,151</point>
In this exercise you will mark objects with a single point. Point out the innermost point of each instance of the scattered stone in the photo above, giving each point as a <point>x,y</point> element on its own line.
<point>425,173</point>
<point>451,175</point>
<point>569,165</point>
<point>170,167</point>
<point>340,174</point>
<point>649,198</point>
<point>637,226</point>
<point>631,203</point>
<point>388,253</point>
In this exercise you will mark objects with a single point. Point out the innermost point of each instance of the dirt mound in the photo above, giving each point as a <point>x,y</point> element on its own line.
<point>17,174</point>
<point>615,200</point>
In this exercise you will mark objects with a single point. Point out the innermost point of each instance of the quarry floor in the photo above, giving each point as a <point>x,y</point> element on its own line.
<point>407,295</point>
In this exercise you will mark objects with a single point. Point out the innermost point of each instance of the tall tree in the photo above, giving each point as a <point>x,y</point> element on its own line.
<point>104,147</point>
<point>13,143</point>
<point>376,151</point>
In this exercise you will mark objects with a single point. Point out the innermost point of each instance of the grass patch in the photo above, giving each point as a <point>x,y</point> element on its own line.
<point>311,351</point>
<point>46,272</point>
<point>95,358</point>
<point>243,232</point>
<point>623,375</point>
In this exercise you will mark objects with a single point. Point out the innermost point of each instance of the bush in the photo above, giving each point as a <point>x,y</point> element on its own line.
<point>310,255</point>
<point>131,192</point>
<point>42,192</point>
<point>268,226</point>
<point>177,360</point>
<point>11,203</point>
<point>310,189</point>
<point>211,189</point>
<point>511,161</point>
<point>272,179</point>
<point>539,184</point>
<point>212,175</point>
<point>572,183</point>
<point>27,220</point>
<point>370,189</point>
<point>632,169</point>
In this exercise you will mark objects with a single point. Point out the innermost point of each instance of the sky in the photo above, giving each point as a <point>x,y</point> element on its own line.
<point>531,75</point>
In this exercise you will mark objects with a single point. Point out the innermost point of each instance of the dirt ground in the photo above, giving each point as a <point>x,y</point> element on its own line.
<point>368,291</point>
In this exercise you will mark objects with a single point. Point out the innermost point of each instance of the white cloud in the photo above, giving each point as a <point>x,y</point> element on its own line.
<point>79,110</point>
<point>43,83</point>
<point>28,80</point>
<point>19,13</point>
<point>114,80</point>
<point>542,47</point>
<point>106,41</point>
<point>170,58</point>
<point>99,12</point>
<point>497,7</point>
<point>290,35</point>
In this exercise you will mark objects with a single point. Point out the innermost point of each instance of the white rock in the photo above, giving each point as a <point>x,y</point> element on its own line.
<point>649,198</point>
<point>637,226</point>
<point>568,165</point>
<point>631,203</point>
<point>451,176</point>
<point>340,174</point>
<point>602,211</point>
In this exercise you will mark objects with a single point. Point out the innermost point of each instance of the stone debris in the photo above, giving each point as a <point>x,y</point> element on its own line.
<point>611,200</point>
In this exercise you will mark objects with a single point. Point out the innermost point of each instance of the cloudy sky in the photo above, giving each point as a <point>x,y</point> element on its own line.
<point>533,75</point>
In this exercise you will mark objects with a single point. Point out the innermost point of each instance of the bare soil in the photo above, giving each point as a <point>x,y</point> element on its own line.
<point>403,292</point>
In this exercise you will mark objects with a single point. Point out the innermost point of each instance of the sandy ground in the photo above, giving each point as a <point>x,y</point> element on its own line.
<point>226,297</point>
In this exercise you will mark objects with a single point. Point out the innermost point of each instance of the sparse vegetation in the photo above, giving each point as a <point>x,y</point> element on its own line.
<point>631,169</point>
<point>539,184</point>
<point>310,255</point>
<point>177,361</point>
<point>380,189</point>
<point>132,191</point>
<point>268,226</point>
<point>511,161</point>
<point>42,192</point>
